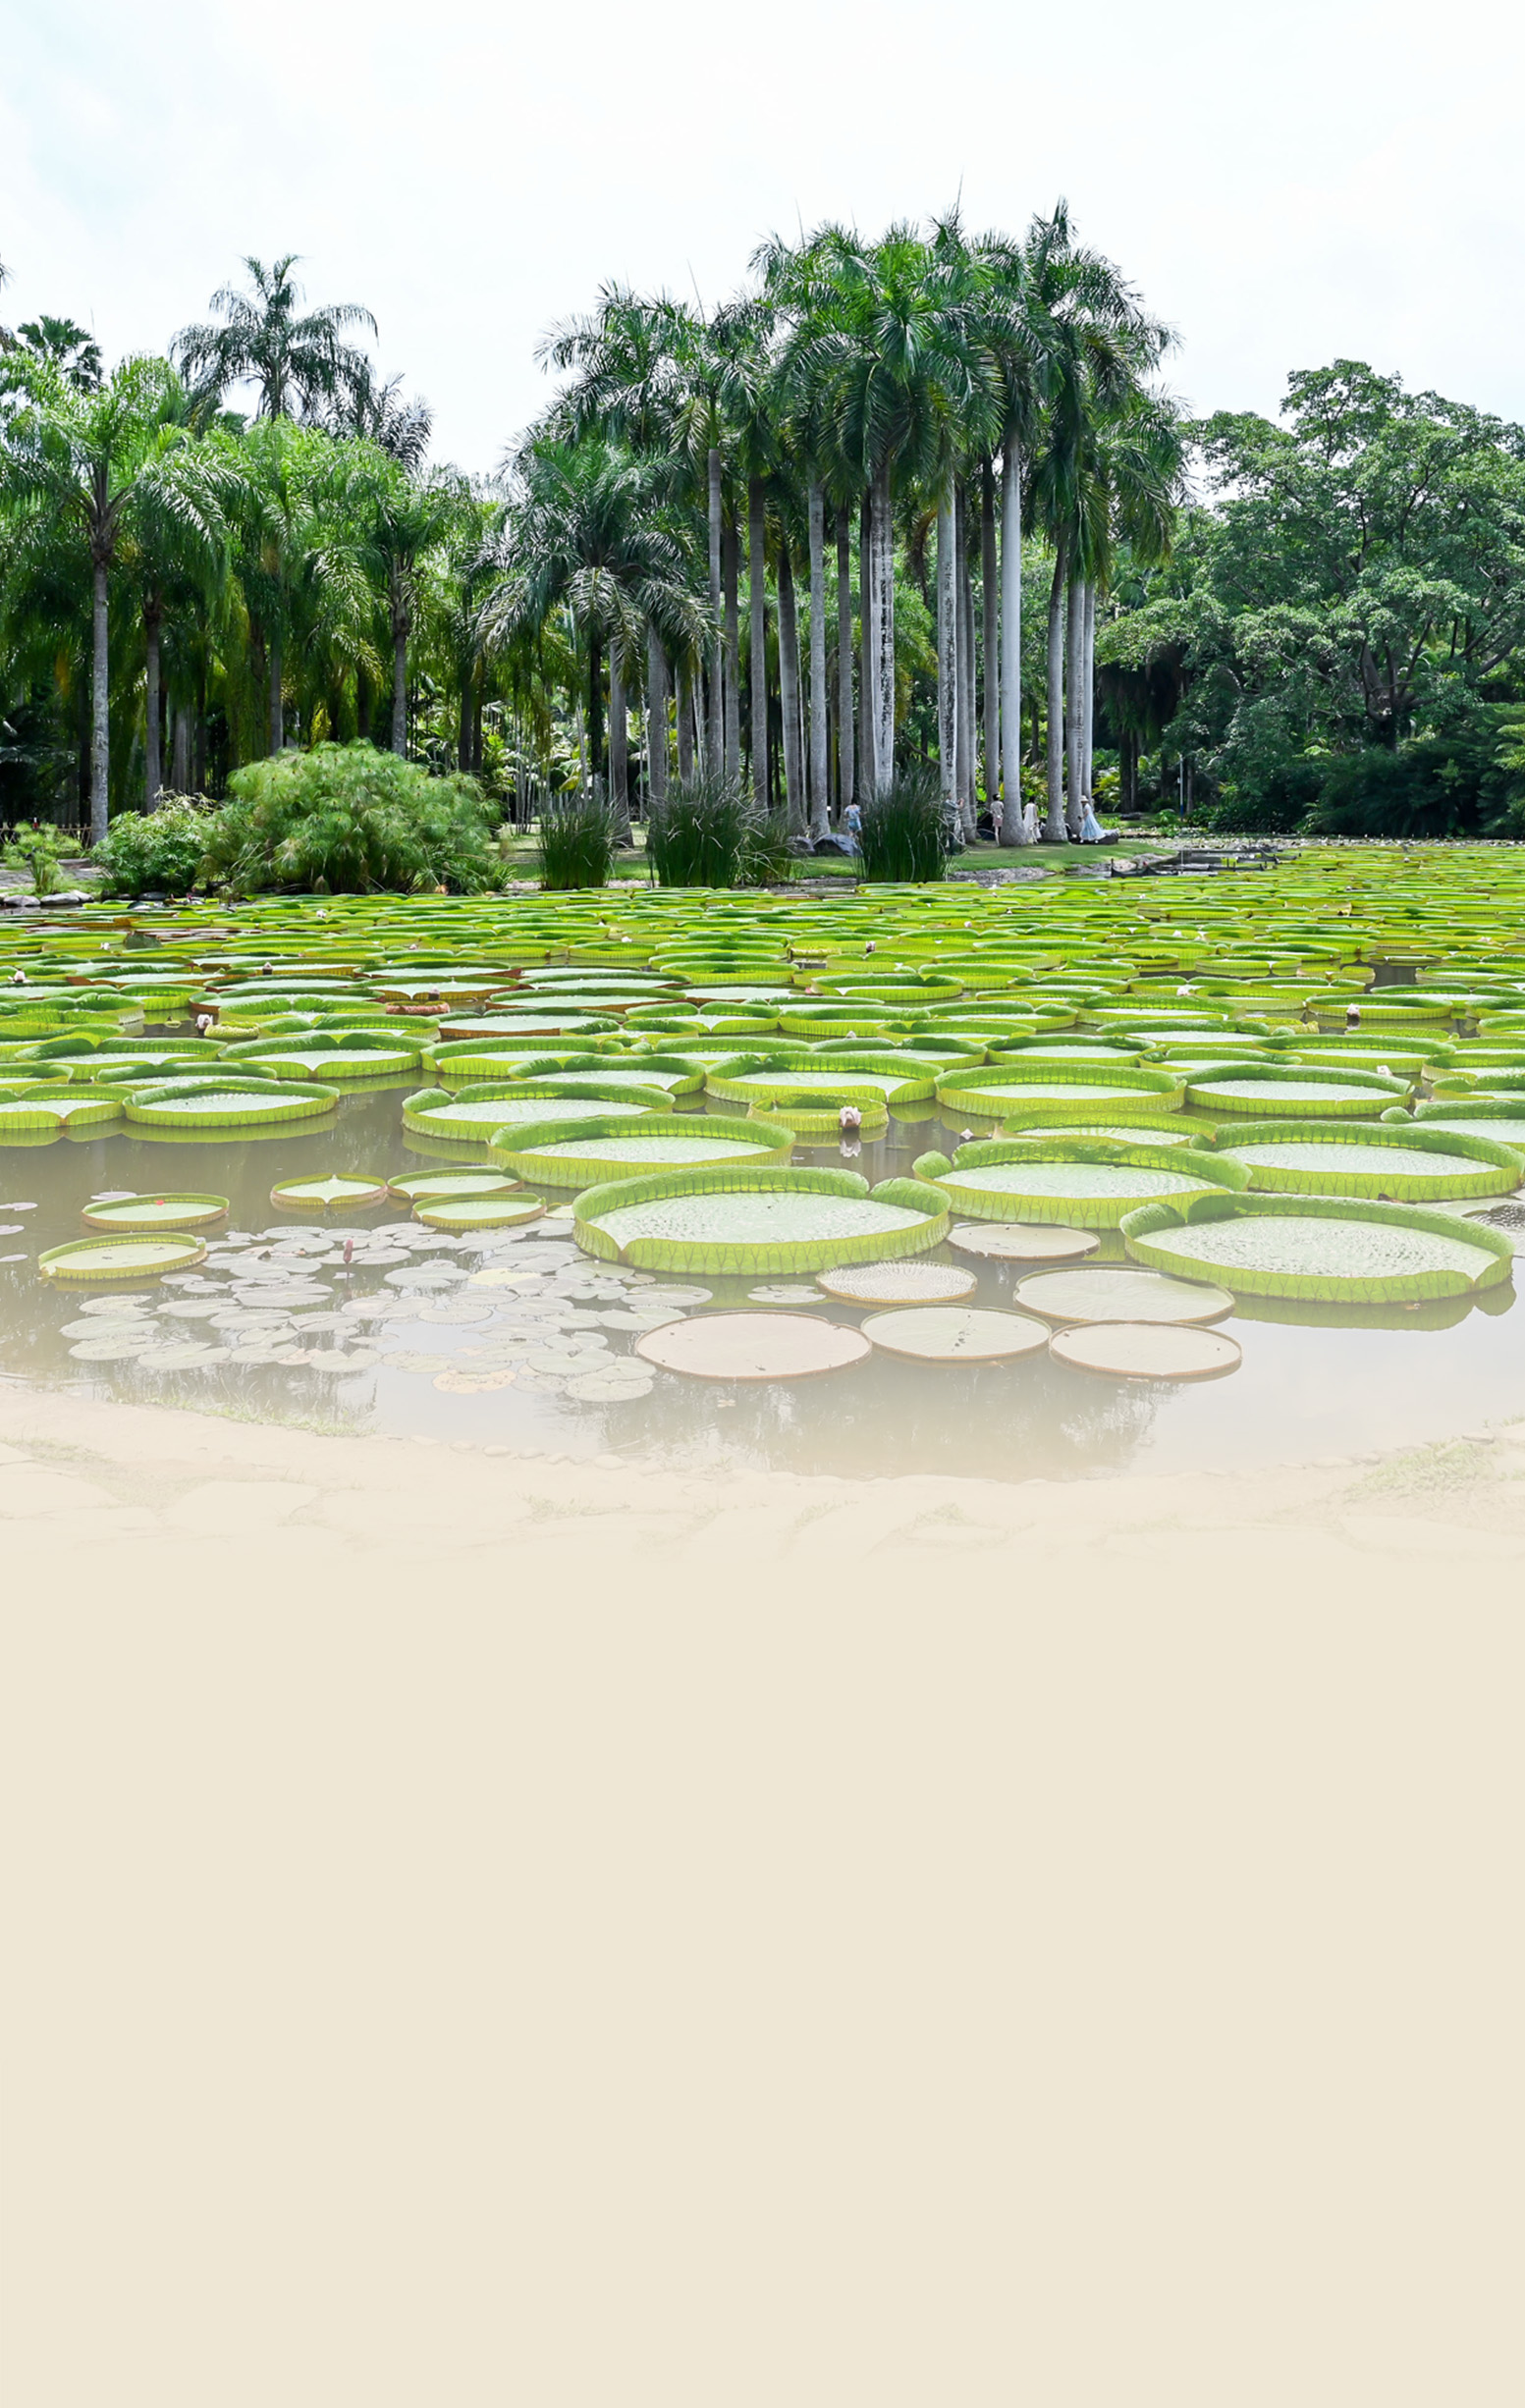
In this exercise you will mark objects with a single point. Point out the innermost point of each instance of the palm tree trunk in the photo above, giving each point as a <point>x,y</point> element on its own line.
<point>1054,827</point>
<point>687,715</point>
<point>882,546</point>
<point>757,627</point>
<point>464,725</point>
<point>276,692</point>
<point>595,720</point>
<point>618,751</point>
<point>153,714</point>
<point>788,695</point>
<point>947,651</point>
<point>716,739</point>
<point>820,737</point>
<point>1074,715</point>
<point>967,811</point>
<point>845,755</point>
<point>1088,697</point>
<point>731,563</point>
<point>990,639</point>
<point>399,685</point>
<point>657,687</point>
<point>868,708</point>
<point>1011,645</point>
<point>100,708</point>
<point>179,753</point>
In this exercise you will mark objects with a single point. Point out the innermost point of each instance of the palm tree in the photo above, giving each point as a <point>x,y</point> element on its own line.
<point>298,362</point>
<point>82,467</point>
<point>74,352</point>
<point>585,536</point>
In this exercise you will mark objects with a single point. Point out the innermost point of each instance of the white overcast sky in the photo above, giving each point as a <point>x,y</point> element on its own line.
<point>1287,183</point>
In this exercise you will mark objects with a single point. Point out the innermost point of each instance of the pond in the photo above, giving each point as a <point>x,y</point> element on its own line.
<point>514,1338</point>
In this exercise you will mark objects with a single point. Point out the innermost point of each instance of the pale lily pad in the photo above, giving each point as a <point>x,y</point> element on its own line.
<point>746,1346</point>
<point>1113,1291</point>
<point>955,1333</point>
<point>1147,1350</point>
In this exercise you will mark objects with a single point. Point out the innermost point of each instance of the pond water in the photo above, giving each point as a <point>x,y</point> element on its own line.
<point>534,1356</point>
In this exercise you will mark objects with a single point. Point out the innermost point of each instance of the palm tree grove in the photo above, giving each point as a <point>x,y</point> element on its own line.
<point>907,549</point>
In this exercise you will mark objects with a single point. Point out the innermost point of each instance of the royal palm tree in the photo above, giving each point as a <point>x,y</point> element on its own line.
<point>297,359</point>
<point>84,468</point>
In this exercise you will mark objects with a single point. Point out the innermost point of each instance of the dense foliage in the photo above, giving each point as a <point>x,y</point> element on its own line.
<point>712,832</point>
<point>348,819</point>
<point>156,852</point>
<point>913,501</point>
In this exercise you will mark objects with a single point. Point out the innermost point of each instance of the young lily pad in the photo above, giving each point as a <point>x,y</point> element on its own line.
<point>897,1283</point>
<point>747,1346</point>
<point>1022,1240</point>
<point>955,1333</point>
<point>330,1192</point>
<point>1147,1350</point>
<point>150,1213</point>
<point>1113,1291</point>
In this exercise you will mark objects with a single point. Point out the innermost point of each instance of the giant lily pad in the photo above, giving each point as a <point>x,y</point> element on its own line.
<point>955,1333</point>
<point>178,1210</point>
<point>1147,1350</point>
<point>1086,1185</point>
<point>1400,1160</point>
<point>751,1346</point>
<point>1328,1247</point>
<point>755,1221</point>
<point>580,1154</point>
<point>135,1257</point>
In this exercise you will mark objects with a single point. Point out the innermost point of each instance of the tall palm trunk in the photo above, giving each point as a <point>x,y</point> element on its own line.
<point>1011,645</point>
<point>882,530</point>
<point>731,562</point>
<point>947,651</point>
<point>1054,826</point>
<point>868,708</point>
<point>967,811</point>
<point>820,737</point>
<point>277,691</point>
<point>757,627</point>
<point>716,736</point>
<point>154,710</point>
<point>687,716</point>
<point>463,724</point>
<point>1088,696</point>
<point>1074,710</point>
<point>402,620</point>
<point>619,750</point>
<point>990,639</point>
<point>846,739</point>
<point>179,753</point>
<point>100,706</point>
<point>788,695</point>
<point>657,687</point>
<point>595,718</point>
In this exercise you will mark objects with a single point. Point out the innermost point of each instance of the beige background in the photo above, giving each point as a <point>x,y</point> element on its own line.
<point>569,1972</point>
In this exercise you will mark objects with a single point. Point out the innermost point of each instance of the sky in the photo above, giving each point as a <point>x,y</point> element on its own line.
<point>1287,184</point>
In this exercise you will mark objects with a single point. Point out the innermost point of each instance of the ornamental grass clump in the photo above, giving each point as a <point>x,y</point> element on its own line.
<point>905,837</point>
<point>578,840</point>
<point>158,851</point>
<point>712,832</point>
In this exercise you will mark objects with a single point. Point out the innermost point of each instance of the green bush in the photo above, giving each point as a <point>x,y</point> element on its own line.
<point>155,850</point>
<point>906,834</point>
<point>36,848</point>
<point>346,818</point>
<point>577,842</point>
<point>710,831</point>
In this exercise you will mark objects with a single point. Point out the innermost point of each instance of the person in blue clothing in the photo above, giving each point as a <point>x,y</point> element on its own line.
<point>852,826</point>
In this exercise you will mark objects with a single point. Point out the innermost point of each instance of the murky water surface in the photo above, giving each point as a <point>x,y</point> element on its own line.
<point>538,1357</point>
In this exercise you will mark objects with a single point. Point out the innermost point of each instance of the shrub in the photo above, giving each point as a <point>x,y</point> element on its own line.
<point>346,818</point>
<point>577,842</point>
<point>160,849</point>
<point>710,831</point>
<point>36,848</point>
<point>906,835</point>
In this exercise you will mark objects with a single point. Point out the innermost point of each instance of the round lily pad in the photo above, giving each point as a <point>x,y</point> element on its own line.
<point>170,1211</point>
<point>955,1333</point>
<point>753,1222</point>
<point>1403,1161</point>
<point>330,1192</point>
<point>1324,1248</point>
<point>1111,1292</point>
<point>753,1346</point>
<point>135,1257</point>
<point>480,1211</point>
<point>1147,1350</point>
<point>594,1150</point>
<point>1081,1182</point>
<point>436,1186</point>
<point>1022,1240</point>
<point>897,1283</point>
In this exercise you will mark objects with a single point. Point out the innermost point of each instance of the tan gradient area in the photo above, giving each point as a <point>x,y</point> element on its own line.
<point>482,1932</point>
